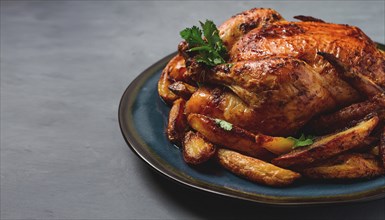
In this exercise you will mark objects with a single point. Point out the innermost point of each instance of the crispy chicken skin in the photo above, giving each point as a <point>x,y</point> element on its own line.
<point>303,40</point>
<point>277,81</point>
<point>238,25</point>
<point>230,32</point>
<point>273,90</point>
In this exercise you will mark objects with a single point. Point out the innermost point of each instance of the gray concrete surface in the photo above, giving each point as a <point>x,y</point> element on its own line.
<point>64,67</point>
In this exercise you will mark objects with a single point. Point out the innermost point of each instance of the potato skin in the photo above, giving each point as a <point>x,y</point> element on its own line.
<point>328,146</point>
<point>347,166</point>
<point>172,72</point>
<point>196,149</point>
<point>329,123</point>
<point>177,122</point>
<point>381,148</point>
<point>255,170</point>
<point>237,138</point>
<point>182,89</point>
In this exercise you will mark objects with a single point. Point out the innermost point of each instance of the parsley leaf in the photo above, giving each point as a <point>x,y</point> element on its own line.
<point>224,124</point>
<point>302,140</point>
<point>193,36</point>
<point>211,50</point>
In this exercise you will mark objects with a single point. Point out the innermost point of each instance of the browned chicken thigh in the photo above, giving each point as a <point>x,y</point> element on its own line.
<point>281,93</point>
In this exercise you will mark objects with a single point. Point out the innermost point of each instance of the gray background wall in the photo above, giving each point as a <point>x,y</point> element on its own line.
<point>64,67</point>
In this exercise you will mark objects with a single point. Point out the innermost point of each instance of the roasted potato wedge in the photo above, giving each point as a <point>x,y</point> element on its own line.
<point>172,72</point>
<point>366,145</point>
<point>375,151</point>
<point>328,146</point>
<point>347,166</point>
<point>235,138</point>
<point>196,149</point>
<point>182,89</point>
<point>177,123</point>
<point>239,138</point>
<point>381,148</point>
<point>254,169</point>
<point>163,90</point>
<point>330,123</point>
<point>276,145</point>
<point>176,68</point>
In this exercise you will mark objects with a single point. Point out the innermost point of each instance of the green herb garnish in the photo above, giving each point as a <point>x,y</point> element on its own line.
<point>224,124</point>
<point>211,50</point>
<point>302,140</point>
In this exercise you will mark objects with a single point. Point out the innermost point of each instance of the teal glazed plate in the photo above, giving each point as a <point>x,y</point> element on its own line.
<point>143,118</point>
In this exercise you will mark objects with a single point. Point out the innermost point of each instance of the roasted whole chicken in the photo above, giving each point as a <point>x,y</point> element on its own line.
<point>279,79</point>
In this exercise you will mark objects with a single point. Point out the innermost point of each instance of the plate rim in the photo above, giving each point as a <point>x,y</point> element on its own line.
<point>131,137</point>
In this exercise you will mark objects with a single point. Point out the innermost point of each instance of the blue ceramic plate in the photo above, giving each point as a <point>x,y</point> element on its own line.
<point>143,118</point>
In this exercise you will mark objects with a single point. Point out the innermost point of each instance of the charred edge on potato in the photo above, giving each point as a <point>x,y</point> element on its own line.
<point>255,170</point>
<point>177,122</point>
<point>196,149</point>
<point>328,146</point>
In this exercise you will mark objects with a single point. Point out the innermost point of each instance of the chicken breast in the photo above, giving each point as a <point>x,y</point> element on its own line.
<point>303,40</point>
<point>277,95</point>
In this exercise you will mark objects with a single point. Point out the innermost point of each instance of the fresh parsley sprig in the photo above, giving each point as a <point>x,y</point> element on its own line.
<point>302,141</point>
<point>224,124</point>
<point>211,50</point>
